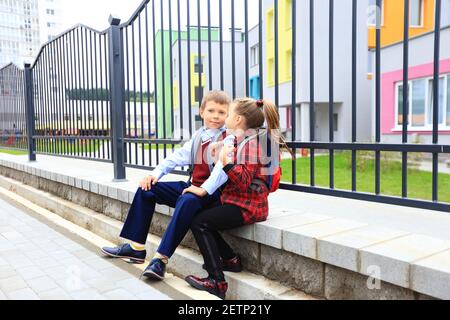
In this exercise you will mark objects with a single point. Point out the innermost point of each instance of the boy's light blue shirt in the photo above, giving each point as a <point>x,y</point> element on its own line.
<point>182,157</point>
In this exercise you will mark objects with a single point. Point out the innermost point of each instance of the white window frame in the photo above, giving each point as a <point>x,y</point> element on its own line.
<point>254,54</point>
<point>426,127</point>
<point>422,13</point>
<point>373,25</point>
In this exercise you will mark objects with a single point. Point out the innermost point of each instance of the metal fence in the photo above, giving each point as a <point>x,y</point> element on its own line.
<point>130,94</point>
<point>12,105</point>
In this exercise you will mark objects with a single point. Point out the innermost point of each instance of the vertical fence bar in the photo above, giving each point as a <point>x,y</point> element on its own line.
<point>199,55</point>
<point>172,120</point>
<point>437,42</point>
<point>180,73</point>
<point>102,92</point>
<point>311,93</point>
<point>133,53</point>
<point>221,44</point>
<point>163,84</point>
<point>294,89</point>
<point>155,80</point>
<point>378,97</point>
<point>127,95</point>
<point>354,88</point>
<point>209,47</point>
<point>233,51</point>
<point>29,112</point>
<point>405,98</point>
<point>92,142</point>
<point>331,88</point>
<point>260,49</point>
<point>276,53</point>
<point>141,88</point>
<point>108,93</point>
<point>117,84</point>
<point>148,83</point>
<point>247,64</point>
<point>78,91</point>
<point>189,66</point>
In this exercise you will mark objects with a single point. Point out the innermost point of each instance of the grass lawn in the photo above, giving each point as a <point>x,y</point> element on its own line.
<point>419,182</point>
<point>59,147</point>
<point>13,152</point>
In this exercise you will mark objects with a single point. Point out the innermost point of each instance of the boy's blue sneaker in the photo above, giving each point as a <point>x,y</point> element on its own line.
<point>126,252</point>
<point>156,270</point>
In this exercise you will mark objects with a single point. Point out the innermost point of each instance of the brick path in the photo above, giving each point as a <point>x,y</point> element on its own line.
<point>37,262</point>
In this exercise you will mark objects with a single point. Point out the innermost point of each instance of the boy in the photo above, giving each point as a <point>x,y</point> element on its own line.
<point>187,198</point>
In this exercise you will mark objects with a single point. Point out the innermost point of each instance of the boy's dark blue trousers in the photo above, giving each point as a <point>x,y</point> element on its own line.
<point>186,206</point>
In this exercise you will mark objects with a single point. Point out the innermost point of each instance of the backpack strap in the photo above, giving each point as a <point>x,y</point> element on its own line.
<point>275,162</point>
<point>243,143</point>
<point>196,139</point>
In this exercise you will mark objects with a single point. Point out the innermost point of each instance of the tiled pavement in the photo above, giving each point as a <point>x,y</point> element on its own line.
<point>37,262</point>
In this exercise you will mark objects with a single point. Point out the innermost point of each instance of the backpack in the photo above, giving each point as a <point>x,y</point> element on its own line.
<point>273,181</point>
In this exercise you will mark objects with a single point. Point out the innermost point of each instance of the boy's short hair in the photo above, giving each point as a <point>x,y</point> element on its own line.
<point>216,96</point>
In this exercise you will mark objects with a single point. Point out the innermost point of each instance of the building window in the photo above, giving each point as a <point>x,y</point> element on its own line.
<point>288,7</point>
<point>448,100</point>
<point>271,71</point>
<point>174,67</point>
<point>198,122</point>
<point>418,103</point>
<point>198,93</point>
<point>335,122</point>
<point>198,65</point>
<point>442,93</point>
<point>372,13</point>
<point>421,103</point>
<point>289,64</point>
<point>254,55</point>
<point>416,13</point>
<point>255,92</point>
<point>270,24</point>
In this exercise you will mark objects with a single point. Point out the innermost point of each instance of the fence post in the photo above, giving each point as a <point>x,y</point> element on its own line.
<point>117,92</point>
<point>29,112</point>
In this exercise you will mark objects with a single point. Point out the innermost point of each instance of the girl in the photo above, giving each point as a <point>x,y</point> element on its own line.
<point>244,200</point>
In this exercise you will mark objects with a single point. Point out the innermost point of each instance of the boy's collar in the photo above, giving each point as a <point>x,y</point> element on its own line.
<point>214,130</point>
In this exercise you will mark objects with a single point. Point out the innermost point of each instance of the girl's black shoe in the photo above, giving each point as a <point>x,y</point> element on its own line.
<point>232,265</point>
<point>213,286</point>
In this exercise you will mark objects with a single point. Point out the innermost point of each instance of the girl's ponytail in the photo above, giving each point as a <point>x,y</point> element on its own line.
<point>272,118</point>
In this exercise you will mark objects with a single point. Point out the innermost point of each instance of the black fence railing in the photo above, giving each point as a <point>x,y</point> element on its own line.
<point>130,94</point>
<point>71,98</point>
<point>12,105</point>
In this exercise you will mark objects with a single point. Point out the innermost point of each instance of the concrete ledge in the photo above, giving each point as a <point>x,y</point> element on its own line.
<point>243,286</point>
<point>409,264</point>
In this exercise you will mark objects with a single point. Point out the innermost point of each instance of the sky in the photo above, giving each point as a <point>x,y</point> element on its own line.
<point>95,13</point>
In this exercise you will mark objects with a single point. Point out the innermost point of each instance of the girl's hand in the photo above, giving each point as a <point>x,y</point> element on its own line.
<point>199,192</point>
<point>215,150</point>
<point>224,154</point>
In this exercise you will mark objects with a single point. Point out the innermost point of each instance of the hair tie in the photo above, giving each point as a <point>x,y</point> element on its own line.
<point>260,103</point>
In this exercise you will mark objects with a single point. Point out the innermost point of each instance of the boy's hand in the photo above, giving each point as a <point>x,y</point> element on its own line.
<point>200,192</point>
<point>147,183</point>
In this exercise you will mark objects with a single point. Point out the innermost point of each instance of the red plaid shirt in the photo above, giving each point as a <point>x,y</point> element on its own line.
<point>240,191</point>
